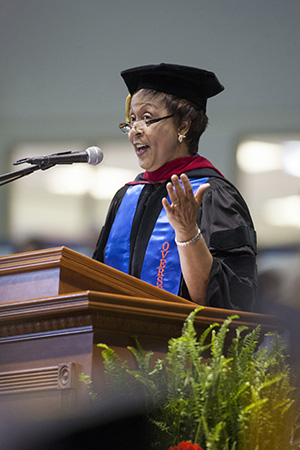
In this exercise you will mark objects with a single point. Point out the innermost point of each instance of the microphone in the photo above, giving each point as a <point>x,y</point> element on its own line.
<point>92,155</point>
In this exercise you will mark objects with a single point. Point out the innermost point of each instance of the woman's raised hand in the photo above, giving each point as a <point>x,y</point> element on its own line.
<point>184,207</point>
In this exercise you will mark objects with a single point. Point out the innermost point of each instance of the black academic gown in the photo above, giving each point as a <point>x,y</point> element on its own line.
<point>227,229</point>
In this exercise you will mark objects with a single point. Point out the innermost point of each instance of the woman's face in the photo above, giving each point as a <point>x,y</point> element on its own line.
<point>157,143</point>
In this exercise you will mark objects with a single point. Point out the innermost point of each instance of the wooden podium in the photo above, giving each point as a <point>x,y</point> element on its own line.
<point>56,305</point>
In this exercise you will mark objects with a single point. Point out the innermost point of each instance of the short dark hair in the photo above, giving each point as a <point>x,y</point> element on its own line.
<point>184,110</point>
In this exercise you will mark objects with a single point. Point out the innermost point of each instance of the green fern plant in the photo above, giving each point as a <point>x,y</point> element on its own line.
<point>239,400</point>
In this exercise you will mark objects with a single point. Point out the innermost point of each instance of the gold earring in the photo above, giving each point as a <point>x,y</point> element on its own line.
<point>181,137</point>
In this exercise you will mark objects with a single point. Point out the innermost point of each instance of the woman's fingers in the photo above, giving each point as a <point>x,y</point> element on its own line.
<point>181,194</point>
<point>188,190</point>
<point>172,194</point>
<point>200,192</point>
<point>184,191</point>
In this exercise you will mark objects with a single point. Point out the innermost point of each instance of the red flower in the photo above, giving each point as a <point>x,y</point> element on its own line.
<point>186,446</point>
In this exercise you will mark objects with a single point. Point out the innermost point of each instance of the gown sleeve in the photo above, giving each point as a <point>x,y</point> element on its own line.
<point>227,228</point>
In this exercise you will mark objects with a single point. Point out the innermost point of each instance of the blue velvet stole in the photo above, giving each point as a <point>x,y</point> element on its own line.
<point>161,266</point>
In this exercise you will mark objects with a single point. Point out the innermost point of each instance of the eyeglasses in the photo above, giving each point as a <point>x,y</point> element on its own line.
<point>125,127</point>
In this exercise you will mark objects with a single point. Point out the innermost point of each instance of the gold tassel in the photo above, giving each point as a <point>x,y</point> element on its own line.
<point>127,108</point>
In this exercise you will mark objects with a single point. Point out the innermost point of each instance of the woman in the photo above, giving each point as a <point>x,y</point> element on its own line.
<point>180,225</point>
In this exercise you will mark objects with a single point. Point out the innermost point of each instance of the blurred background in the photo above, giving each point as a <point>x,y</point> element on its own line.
<point>60,90</point>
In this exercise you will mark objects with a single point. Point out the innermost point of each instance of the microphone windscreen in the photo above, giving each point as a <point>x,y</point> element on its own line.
<point>95,155</point>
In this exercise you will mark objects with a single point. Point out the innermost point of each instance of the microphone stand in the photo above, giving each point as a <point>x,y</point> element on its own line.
<point>12,176</point>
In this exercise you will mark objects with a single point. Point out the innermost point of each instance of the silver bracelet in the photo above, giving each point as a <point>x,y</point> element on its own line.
<point>191,241</point>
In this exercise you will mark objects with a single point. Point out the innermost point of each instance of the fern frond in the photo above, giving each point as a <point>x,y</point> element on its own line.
<point>86,379</point>
<point>217,348</point>
<point>241,399</point>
